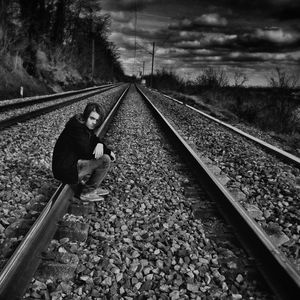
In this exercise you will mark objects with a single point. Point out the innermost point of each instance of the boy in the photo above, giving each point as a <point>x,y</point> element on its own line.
<point>79,153</point>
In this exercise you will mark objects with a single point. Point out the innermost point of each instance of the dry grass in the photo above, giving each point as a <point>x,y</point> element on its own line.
<point>13,76</point>
<point>253,110</point>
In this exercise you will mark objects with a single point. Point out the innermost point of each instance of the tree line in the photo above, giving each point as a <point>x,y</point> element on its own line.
<point>74,30</point>
<point>273,107</point>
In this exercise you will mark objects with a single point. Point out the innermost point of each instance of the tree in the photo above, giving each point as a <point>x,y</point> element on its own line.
<point>239,78</point>
<point>8,28</point>
<point>282,104</point>
<point>212,78</point>
<point>64,29</point>
<point>280,79</point>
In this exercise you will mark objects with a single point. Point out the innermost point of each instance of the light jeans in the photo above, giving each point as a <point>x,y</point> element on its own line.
<point>93,172</point>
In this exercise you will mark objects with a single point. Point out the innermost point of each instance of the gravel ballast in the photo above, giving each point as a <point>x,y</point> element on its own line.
<point>144,241</point>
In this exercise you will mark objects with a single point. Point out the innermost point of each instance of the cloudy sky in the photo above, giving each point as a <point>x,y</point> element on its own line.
<point>249,36</point>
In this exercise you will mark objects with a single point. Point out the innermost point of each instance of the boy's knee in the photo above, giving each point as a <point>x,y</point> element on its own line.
<point>106,159</point>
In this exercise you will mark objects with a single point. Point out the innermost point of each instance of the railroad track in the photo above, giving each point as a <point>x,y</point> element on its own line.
<point>284,281</point>
<point>273,263</point>
<point>21,266</point>
<point>6,105</point>
<point>9,114</point>
<point>262,178</point>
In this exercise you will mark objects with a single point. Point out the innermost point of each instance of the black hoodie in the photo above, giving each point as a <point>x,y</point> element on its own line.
<point>74,143</point>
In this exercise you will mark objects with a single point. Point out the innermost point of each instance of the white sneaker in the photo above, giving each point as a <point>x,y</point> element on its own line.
<point>101,192</point>
<point>91,197</point>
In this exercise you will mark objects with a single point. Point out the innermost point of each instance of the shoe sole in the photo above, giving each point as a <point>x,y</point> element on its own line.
<point>92,200</point>
<point>103,194</point>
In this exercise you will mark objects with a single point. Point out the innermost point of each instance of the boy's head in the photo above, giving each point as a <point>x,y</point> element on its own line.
<point>92,115</point>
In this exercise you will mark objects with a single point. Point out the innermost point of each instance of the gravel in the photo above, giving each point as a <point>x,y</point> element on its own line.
<point>267,186</point>
<point>144,241</point>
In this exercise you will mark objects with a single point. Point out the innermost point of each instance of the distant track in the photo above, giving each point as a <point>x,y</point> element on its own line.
<point>18,103</point>
<point>32,114</point>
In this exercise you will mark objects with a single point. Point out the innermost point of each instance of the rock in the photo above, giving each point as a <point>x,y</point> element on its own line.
<point>238,194</point>
<point>107,281</point>
<point>267,214</point>
<point>135,254</point>
<point>231,265</point>
<point>279,240</point>
<point>164,288</point>
<point>119,277</point>
<point>146,286</point>
<point>254,212</point>
<point>236,296</point>
<point>174,295</point>
<point>38,286</point>
<point>194,288</point>
<point>138,285</point>
<point>224,286</point>
<point>239,278</point>
<point>275,234</point>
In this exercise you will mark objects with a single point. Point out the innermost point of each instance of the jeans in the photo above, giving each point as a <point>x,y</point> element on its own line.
<point>94,171</point>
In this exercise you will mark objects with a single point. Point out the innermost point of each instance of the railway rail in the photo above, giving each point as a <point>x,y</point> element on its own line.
<point>23,116</point>
<point>279,273</point>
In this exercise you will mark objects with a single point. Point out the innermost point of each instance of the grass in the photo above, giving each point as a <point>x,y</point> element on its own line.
<point>254,108</point>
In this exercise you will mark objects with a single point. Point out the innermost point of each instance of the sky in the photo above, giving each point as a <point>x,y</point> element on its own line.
<point>244,37</point>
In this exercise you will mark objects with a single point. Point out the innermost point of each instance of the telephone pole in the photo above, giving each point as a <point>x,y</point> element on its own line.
<point>152,64</point>
<point>93,57</point>
<point>143,68</point>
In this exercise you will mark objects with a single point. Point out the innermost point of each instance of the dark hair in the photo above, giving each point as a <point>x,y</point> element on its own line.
<point>92,106</point>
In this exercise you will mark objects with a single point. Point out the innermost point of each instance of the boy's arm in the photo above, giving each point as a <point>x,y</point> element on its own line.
<point>105,150</point>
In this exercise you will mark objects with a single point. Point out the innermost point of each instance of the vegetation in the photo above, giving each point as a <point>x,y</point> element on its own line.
<point>272,108</point>
<point>62,41</point>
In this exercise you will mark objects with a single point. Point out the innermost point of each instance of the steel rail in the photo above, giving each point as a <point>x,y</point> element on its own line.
<point>20,268</point>
<point>46,98</point>
<point>44,110</point>
<point>284,155</point>
<point>279,273</point>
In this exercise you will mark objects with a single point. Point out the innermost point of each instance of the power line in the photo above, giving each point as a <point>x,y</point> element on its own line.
<point>153,15</point>
<point>135,22</point>
<point>144,48</point>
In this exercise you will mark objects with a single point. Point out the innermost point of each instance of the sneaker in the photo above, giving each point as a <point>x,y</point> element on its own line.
<point>91,197</point>
<point>101,192</point>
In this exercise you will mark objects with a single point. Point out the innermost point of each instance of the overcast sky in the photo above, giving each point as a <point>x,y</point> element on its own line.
<point>249,36</point>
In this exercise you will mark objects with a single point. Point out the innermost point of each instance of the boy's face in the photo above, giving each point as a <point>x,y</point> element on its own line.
<point>92,120</point>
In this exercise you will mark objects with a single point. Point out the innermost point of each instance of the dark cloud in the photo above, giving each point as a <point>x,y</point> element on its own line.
<point>202,21</point>
<point>126,5</point>
<point>252,35</point>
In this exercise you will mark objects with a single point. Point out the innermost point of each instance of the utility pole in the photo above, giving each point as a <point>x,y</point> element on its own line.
<point>152,64</point>
<point>93,57</point>
<point>143,68</point>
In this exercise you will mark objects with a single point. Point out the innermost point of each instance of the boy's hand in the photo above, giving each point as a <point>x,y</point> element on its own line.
<point>98,151</point>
